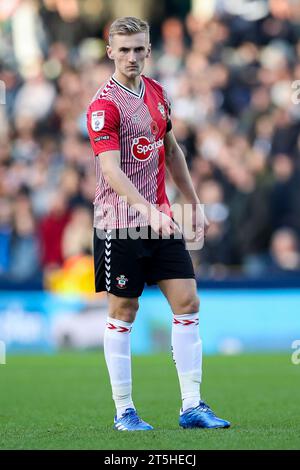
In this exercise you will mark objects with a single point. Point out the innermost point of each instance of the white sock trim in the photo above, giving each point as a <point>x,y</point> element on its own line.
<point>186,319</point>
<point>187,315</point>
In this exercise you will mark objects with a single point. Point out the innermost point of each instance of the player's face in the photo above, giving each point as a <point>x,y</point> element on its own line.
<point>129,53</point>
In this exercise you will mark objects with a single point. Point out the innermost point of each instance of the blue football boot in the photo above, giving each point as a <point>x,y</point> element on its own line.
<point>201,417</point>
<point>130,421</point>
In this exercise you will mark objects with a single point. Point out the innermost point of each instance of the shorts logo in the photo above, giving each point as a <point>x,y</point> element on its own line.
<point>142,148</point>
<point>97,121</point>
<point>122,281</point>
<point>162,110</point>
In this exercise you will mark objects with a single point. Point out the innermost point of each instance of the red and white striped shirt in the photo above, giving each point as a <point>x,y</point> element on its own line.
<point>135,124</point>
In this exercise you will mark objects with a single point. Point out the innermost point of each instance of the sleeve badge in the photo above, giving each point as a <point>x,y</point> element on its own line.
<point>97,121</point>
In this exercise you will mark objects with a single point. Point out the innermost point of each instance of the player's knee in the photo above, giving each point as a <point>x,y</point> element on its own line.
<point>189,304</point>
<point>126,310</point>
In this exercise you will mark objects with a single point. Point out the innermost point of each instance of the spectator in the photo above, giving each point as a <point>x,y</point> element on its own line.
<point>5,234</point>
<point>285,193</point>
<point>51,231</point>
<point>24,249</point>
<point>215,257</point>
<point>284,250</point>
<point>77,238</point>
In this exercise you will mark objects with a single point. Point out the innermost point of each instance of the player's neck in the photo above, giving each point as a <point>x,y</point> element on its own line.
<point>133,84</point>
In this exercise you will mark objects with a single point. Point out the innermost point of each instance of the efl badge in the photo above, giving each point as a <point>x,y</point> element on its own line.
<point>122,281</point>
<point>97,120</point>
<point>162,110</point>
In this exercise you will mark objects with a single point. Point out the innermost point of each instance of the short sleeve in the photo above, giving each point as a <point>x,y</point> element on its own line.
<point>103,123</point>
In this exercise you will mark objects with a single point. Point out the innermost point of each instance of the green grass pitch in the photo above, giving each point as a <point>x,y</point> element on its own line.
<point>64,402</point>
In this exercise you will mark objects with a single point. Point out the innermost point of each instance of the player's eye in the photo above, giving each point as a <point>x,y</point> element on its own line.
<point>139,49</point>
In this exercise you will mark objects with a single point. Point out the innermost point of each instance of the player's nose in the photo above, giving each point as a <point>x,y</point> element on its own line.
<point>132,57</point>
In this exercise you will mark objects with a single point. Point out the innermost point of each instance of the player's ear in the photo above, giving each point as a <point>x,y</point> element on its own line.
<point>109,52</point>
<point>148,51</point>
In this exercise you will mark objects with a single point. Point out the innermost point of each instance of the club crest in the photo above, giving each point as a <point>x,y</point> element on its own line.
<point>122,280</point>
<point>97,121</point>
<point>162,110</point>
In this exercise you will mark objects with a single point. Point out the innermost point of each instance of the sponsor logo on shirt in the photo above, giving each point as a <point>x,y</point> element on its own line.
<point>101,137</point>
<point>142,148</point>
<point>97,120</point>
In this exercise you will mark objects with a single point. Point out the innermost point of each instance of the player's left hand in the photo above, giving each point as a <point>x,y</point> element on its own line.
<point>200,222</point>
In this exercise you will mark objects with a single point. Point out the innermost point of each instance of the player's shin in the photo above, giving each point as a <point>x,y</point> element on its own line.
<point>187,355</point>
<point>118,360</point>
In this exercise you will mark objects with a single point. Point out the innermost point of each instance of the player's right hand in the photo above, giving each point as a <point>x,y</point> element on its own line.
<point>162,224</point>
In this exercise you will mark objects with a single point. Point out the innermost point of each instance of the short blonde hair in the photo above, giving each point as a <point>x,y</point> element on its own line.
<point>128,25</point>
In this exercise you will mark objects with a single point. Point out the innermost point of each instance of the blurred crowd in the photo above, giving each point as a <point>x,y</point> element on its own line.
<point>232,82</point>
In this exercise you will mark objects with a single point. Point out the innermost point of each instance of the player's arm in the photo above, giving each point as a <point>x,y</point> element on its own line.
<point>176,164</point>
<point>121,184</point>
<point>177,167</point>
